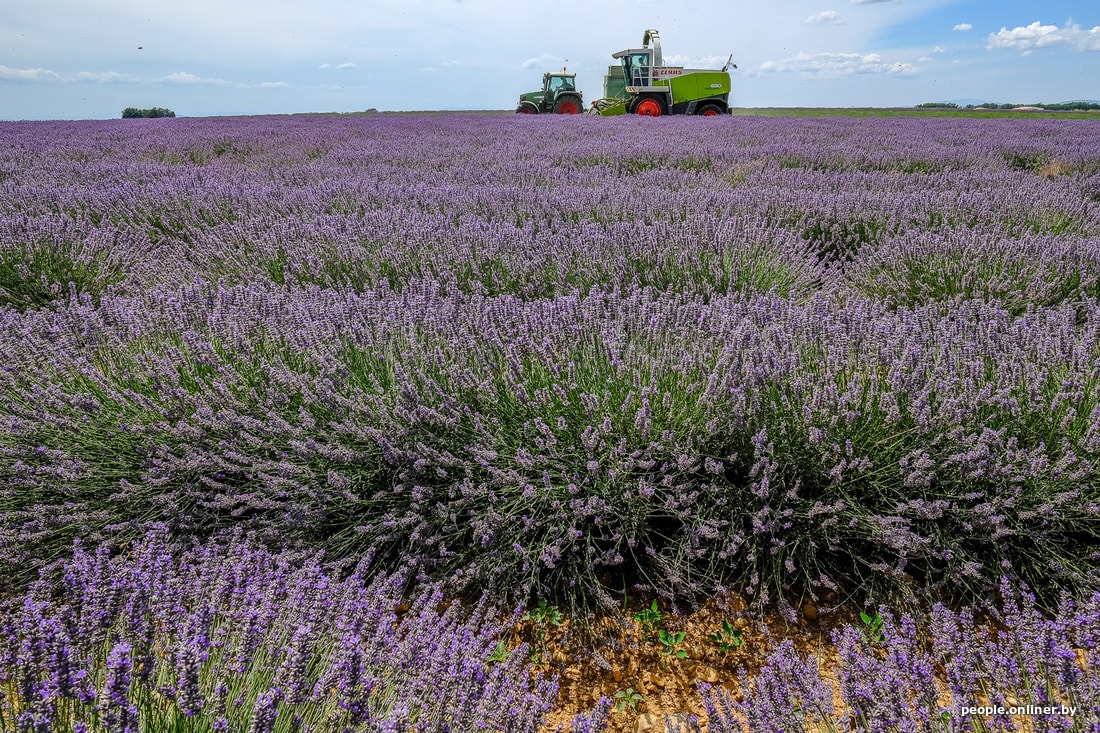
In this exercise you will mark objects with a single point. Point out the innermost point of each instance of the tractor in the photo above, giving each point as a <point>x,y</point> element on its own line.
<point>652,89</point>
<point>559,95</point>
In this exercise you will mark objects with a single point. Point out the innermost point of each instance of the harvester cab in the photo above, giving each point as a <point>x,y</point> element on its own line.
<point>638,64</point>
<point>558,95</point>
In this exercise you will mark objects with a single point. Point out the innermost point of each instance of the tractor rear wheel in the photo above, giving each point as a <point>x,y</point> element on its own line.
<point>649,107</point>
<point>567,106</point>
<point>709,110</point>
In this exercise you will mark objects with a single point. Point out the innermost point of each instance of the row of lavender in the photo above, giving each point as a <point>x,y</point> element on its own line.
<point>897,210</point>
<point>240,639</point>
<point>568,446</point>
<point>941,671</point>
<point>235,638</point>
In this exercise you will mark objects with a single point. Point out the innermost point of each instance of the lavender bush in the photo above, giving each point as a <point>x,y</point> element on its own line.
<point>946,672</point>
<point>537,443</point>
<point>235,638</point>
<point>788,355</point>
<point>1023,272</point>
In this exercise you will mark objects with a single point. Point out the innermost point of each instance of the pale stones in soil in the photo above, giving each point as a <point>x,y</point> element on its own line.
<point>664,723</point>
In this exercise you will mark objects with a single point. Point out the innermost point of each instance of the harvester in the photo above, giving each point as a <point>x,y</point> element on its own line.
<point>648,87</point>
<point>559,95</point>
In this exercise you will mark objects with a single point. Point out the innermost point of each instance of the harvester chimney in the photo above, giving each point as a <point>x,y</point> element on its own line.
<point>651,35</point>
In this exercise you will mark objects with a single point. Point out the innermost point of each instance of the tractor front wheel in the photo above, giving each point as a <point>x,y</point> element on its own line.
<point>709,110</point>
<point>567,106</point>
<point>649,107</point>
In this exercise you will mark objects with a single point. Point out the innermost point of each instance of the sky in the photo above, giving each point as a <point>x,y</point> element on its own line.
<point>90,59</point>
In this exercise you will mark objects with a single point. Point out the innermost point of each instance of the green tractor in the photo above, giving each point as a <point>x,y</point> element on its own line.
<point>652,89</point>
<point>559,95</point>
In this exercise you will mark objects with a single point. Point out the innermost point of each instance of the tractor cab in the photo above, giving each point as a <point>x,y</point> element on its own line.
<point>552,83</point>
<point>559,95</point>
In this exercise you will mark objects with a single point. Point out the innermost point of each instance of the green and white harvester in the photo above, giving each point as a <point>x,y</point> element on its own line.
<point>645,86</point>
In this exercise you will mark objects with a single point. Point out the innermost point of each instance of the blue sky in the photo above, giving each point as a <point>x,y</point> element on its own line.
<point>89,59</point>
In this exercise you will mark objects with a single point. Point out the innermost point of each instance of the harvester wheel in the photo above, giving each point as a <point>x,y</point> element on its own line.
<point>709,110</point>
<point>567,106</point>
<point>649,107</point>
<point>527,109</point>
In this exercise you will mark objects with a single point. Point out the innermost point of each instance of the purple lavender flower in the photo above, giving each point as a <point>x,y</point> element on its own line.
<point>114,706</point>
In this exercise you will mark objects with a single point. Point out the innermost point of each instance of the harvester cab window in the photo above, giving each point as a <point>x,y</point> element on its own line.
<point>636,67</point>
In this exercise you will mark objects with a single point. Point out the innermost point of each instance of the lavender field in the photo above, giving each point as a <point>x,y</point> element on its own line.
<point>836,360</point>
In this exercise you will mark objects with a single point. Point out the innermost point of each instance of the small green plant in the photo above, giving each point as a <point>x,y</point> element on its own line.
<point>628,699</point>
<point>500,653</point>
<point>648,618</point>
<point>727,637</point>
<point>872,627</point>
<point>544,614</point>
<point>671,642</point>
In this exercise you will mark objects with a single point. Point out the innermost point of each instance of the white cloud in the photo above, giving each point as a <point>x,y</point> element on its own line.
<point>274,85</point>
<point>184,78</point>
<point>695,62</point>
<point>442,65</point>
<point>963,27</point>
<point>545,62</point>
<point>105,77</point>
<point>1030,37</point>
<point>9,74</point>
<point>348,65</point>
<point>835,65</point>
<point>825,17</point>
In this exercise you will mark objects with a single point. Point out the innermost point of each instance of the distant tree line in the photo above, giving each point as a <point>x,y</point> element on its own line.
<point>133,112</point>
<point>999,105</point>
